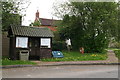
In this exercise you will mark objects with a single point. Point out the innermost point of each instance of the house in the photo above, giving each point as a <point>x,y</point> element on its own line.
<point>37,40</point>
<point>52,24</point>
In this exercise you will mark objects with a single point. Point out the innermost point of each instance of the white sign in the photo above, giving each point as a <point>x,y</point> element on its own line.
<point>45,42</point>
<point>22,42</point>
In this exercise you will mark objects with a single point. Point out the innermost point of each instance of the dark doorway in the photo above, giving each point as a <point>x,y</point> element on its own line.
<point>34,46</point>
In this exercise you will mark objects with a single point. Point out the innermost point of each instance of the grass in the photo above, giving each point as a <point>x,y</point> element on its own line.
<point>112,49</point>
<point>16,62</point>
<point>77,56</point>
<point>117,53</point>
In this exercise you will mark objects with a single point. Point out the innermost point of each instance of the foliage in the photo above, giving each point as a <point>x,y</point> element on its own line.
<point>117,52</point>
<point>90,25</point>
<point>36,23</point>
<point>61,9</point>
<point>57,43</point>
<point>112,49</point>
<point>118,35</point>
<point>11,13</point>
<point>56,36</point>
<point>58,46</point>
<point>16,62</point>
<point>8,17</point>
<point>77,56</point>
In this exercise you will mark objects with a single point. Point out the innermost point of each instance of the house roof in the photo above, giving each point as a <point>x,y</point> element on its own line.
<point>31,31</point>
<point>51,28</point>
<point>49,22</point>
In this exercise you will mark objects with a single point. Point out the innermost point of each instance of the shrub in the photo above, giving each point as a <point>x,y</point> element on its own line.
<point>91,44</point>
<point>58,45</point>
<point>117,52</point>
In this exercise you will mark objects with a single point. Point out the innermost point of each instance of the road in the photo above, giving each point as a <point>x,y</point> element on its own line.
<point>73,71</point>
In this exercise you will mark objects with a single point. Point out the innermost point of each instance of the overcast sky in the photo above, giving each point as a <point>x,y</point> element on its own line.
<point>44,7</point>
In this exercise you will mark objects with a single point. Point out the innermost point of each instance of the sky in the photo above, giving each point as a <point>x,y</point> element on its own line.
<point>45,8</point>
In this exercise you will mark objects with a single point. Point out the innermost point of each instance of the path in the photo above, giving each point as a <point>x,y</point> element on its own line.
<point>112,57</point>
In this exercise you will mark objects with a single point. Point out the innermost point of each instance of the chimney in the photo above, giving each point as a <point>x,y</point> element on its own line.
<point>37,16</point>
<point>20,20</point>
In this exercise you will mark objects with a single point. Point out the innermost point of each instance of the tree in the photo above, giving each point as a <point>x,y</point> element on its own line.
<point>90,24</point>
<point>36,23</point>
<point>118,35</point>
<point>11,13</point>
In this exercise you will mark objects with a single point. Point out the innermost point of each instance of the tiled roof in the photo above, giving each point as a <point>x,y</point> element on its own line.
<point>31,31</point>
<point>51,28</point>
<point>49,22</point>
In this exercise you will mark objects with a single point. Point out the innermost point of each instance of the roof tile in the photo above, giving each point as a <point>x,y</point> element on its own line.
<point>31,31</point>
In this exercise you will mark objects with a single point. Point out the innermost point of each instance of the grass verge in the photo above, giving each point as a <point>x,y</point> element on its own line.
<point>77,56</point>
<point>16,62</point>
<point>117,53</point>
<point>112,49</point>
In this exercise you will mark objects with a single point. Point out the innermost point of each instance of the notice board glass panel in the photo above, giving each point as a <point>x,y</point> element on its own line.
<point>45,42</point>
<point>22,42</point>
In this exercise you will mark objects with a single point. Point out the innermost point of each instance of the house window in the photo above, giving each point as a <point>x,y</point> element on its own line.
<point>22,42</point>
<point>45,42</point>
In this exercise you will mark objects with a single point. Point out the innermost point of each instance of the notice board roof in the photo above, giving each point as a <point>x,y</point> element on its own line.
<point>31,31</point>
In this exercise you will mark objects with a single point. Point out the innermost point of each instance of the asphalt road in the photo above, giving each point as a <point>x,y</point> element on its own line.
<point>73,71</point>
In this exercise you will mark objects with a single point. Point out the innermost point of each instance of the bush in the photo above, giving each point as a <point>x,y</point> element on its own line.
<point>117,52</point>
<point>58,46</point>
<point>91,44</point>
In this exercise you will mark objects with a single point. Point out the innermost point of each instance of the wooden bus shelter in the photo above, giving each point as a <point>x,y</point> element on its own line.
<point>37,40</point>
